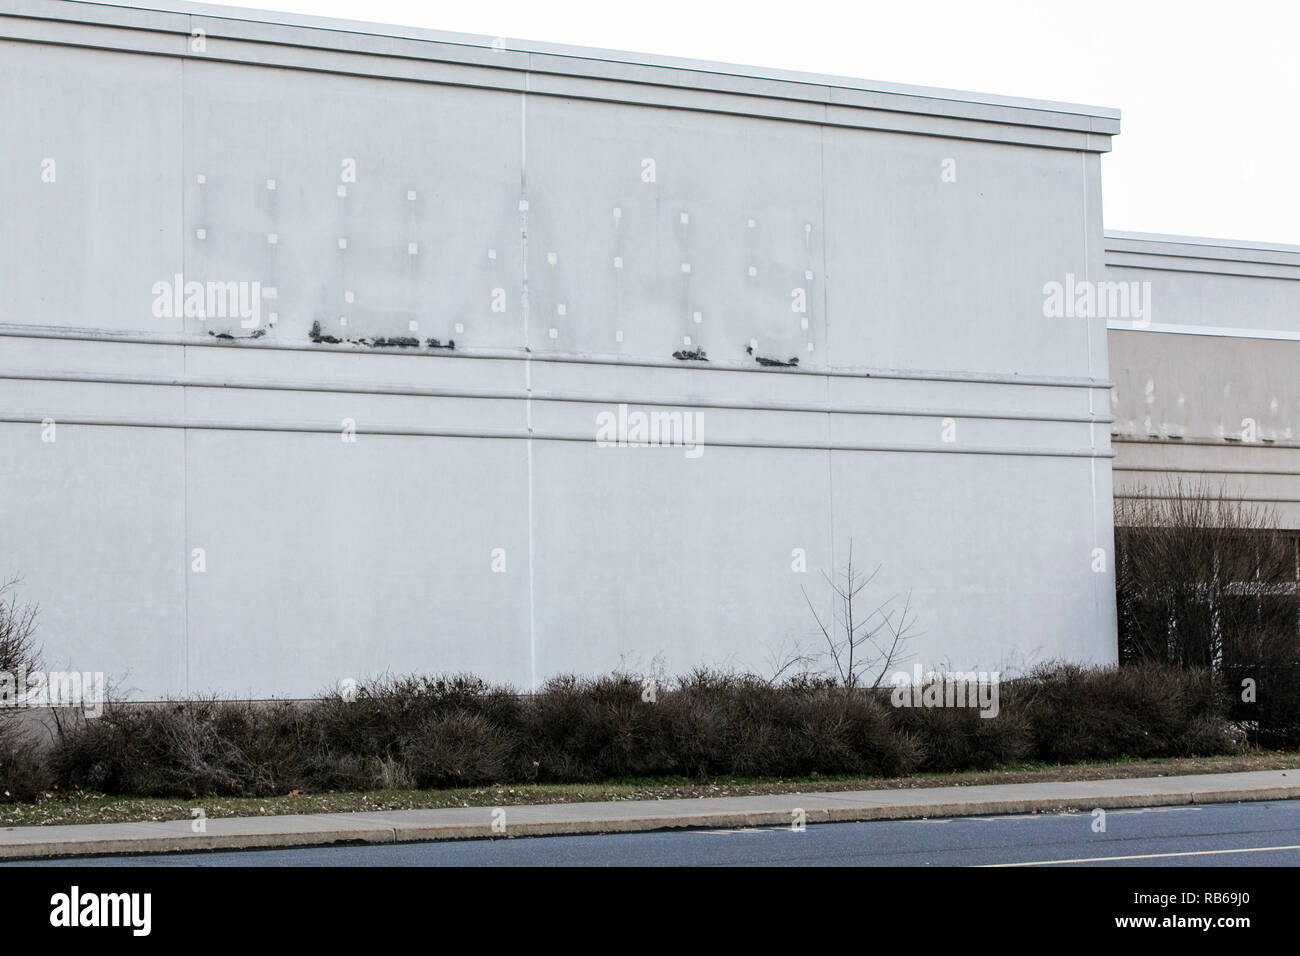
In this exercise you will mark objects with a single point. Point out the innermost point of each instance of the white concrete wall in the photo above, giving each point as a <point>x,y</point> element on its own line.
<point>328,559</point>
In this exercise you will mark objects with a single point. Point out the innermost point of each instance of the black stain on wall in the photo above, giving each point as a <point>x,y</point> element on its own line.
<point>226,336</point>
<point>381,342</point>
<point>316,336</point>
<point>771,362</point>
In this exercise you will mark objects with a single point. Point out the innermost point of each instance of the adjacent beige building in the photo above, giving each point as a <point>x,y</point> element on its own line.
<point>1207,381</point>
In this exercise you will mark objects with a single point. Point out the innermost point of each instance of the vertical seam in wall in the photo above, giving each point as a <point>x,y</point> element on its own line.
<point>528,374</point>
<point>826,311</point>
<point>1092,426</point>
<point>186,568</point>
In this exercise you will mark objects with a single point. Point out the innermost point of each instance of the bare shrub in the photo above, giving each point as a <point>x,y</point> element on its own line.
<point>24,771</point>
<point>958,738</point>
<point>381,714</point>
<point>864,641</point>
<point>742,725</point>
<point>1141,710</point>
<point>1208,582</point>
<point>18,647</point>
<point>165,750</point>
<point>594,728</point>
<point>442,732</point>
<point>458,749</point>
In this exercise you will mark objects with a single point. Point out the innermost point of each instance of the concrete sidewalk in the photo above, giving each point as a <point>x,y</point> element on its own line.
<point>461,823</point>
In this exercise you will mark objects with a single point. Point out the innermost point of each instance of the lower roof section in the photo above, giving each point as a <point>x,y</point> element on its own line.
<point>1199,286</point>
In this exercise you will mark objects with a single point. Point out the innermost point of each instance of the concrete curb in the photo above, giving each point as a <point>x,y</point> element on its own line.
<point>468,823</point>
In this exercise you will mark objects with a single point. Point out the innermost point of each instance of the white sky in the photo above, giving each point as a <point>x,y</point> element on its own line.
<point>1210,92</point>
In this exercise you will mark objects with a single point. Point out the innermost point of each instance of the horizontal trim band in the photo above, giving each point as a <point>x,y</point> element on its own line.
<point>1197,245</point>
<point>139,338</point>
<point>1174,469</point>
<point>1265,270</point>
<point>520,435</point>
<point>1202,442</point>
<point>1121,325</point>
<point>417,391</point>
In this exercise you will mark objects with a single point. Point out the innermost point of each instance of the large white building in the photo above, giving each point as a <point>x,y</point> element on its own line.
<point>324,349</point>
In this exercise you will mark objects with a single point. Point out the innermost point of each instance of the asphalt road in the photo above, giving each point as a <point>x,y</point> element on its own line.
<point>1238,834</point>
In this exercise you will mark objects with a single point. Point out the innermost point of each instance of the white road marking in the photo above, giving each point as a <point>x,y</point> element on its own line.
<point>1146,856</point>
<point>1155,810</point>
<point>1053,814</point>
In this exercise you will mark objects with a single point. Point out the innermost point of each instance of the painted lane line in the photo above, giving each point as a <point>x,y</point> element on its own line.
<point>1144,856</point>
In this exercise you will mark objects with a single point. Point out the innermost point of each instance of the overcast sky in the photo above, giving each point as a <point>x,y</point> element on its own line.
<point>1210,92</point>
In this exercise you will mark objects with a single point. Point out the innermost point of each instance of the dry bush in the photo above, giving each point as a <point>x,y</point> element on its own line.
<point>18,648</point>
<point>441,732</point>
<point>24,768</point>
<point>24,772</point>
<point>1207,582</point>
<point>958,738</point>
<point>164,750</point>
<point>458,749</point>
<point>1079,713</point>
<point>730,724</point>
<point>578,729</point>
<point>382,713</point>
